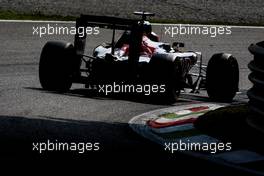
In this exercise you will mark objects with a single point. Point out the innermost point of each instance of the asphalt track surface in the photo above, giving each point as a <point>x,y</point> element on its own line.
<point>233,11</point>
<point>29,114</point>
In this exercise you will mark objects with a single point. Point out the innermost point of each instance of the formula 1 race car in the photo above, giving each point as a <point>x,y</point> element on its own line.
<point>137,62</point>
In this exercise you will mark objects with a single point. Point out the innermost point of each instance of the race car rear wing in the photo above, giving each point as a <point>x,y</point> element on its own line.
<point>101,22</point>
<point>105,22</point>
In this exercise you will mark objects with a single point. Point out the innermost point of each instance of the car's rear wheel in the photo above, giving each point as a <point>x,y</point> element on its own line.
<point>55,66</point>
<point>222,77</point>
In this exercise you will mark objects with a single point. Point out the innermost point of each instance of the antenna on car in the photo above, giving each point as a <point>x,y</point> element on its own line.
<point>144,14</point>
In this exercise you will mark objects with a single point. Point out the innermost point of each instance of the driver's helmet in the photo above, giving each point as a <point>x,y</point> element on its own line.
<point>147,27</point>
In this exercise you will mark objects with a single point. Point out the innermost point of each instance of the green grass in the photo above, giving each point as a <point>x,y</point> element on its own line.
<point>12,15</point>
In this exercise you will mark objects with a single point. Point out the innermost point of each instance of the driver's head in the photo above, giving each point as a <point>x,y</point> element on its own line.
<point>147,27</point>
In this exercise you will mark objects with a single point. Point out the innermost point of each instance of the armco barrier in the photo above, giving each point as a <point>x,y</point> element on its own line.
<point>256,93</point>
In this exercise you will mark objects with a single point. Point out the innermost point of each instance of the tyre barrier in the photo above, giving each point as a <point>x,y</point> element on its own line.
<point>256,66</point>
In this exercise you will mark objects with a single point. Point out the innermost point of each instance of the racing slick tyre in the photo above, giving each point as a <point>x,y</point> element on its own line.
<point>165,71</point>
<point>55,66</point>
<point>222,77</point>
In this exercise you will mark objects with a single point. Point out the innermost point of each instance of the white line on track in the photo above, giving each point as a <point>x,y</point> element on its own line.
<point>156,24</point>
<point>205,25</point>
<point>35,21</point>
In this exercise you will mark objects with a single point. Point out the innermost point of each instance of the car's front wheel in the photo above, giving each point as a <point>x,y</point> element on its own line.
<point>222,77</point>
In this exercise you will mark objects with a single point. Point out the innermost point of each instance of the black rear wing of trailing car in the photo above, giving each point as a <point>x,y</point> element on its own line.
<point>114,23</point>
